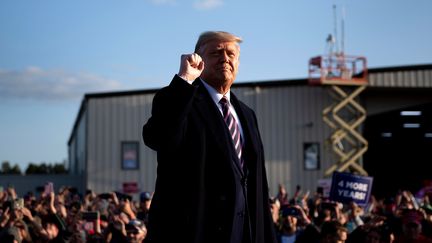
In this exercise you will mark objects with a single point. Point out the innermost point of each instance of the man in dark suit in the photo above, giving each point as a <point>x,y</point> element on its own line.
<point>211,182</point>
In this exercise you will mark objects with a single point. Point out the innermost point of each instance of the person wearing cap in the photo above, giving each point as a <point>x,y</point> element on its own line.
<point>136,231</point>
<point>144,206</point>
<point>211,175</point>
<point>293,222</point>
<point>146,197</point>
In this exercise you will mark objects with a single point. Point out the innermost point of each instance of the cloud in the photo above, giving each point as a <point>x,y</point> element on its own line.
<point>207,4</point>
<point>38,84</point>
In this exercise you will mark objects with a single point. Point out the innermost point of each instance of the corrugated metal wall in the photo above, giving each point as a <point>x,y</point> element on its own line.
<point>112,120</point>
<point>402,79</point>
<point>289,116</point>
<point>398,88</point>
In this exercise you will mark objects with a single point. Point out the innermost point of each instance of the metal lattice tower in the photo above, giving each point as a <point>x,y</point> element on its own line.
<point>346,78</point>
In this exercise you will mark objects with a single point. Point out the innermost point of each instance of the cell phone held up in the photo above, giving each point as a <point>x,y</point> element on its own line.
<point>48,188</point>
<point>290,211</point>
<point>90,216</point>
<point>105,196</point>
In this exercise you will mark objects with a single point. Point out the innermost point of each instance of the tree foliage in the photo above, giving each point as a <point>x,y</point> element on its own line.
<point>8,169</point>
<point>44,168</point>
<point>33,169</point>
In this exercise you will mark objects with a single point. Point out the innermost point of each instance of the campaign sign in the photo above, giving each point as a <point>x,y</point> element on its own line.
<point>347,187</point>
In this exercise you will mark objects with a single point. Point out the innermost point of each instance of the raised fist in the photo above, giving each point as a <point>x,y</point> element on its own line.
<point>191,66</point>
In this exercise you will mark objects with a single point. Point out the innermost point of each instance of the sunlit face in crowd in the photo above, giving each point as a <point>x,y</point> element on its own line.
<point>342,236</point>
<point>137,236</point>
<point>145,205</point>
<point>221,61</point>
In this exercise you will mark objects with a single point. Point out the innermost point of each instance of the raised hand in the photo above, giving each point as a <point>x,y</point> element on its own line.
<point>27,213</point>
<point>4,218</point>
<point>191,66</point>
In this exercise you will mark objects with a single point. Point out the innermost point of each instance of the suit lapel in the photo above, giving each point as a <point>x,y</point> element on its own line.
<point>247,122</point>
<point>210,113</point>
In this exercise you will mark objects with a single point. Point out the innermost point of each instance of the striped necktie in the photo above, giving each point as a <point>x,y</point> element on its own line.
<point>232,127</point>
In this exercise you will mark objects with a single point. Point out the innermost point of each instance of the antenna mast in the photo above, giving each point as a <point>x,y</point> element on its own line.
<point>343,32</point>
<point>335,30</point>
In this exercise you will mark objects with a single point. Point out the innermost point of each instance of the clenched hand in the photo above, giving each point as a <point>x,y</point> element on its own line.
<point>191,66</point>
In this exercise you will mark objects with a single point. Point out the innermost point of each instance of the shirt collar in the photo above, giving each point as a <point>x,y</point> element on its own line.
<point>216,96</point>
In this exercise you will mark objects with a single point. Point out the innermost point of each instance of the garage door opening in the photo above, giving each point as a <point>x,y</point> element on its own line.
<point>400,149</point>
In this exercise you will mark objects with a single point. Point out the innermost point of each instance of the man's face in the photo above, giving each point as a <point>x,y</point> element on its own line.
<point>290,223</point>
<point>145,204</point>
<point>136,236</point>
<point>221,61</point>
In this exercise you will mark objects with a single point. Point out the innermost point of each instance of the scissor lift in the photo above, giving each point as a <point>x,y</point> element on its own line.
<point>346,78</point>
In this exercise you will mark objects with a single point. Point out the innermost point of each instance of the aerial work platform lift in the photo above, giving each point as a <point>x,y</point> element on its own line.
<point>345,78</point>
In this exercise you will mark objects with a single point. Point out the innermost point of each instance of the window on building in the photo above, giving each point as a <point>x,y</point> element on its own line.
<point>130,155</point>
<point>311,155</point>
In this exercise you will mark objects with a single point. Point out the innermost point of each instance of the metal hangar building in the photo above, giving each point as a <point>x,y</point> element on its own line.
<point>107,152</point>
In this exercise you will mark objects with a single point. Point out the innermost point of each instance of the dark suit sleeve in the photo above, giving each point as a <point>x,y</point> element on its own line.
<point>166,127</point>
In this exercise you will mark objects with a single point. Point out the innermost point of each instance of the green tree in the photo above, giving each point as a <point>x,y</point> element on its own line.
<point>59,169</point>
<point>31,169</point>
<point>6,168</point>
<point>16,170</point>
<point>45,168</point>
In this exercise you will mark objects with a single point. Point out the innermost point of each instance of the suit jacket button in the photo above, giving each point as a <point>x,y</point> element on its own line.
<point>244,181</point>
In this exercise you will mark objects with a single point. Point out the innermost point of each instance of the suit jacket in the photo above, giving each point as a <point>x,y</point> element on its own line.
<point>202,195</point>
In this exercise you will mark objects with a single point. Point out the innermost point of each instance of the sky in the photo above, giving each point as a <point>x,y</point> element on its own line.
<point>53,52</point>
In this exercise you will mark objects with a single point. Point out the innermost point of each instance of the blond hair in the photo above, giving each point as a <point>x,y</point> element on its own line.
<point>209,36</point>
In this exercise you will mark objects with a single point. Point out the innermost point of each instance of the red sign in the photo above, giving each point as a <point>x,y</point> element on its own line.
<point>130,187</point>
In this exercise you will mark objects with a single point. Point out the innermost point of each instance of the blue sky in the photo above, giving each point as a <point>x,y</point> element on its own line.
<point>53,52</point>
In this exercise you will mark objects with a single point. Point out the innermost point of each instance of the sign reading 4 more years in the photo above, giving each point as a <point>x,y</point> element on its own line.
<point>348,188</point>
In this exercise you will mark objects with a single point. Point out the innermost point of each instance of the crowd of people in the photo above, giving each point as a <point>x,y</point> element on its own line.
<point>67,216</point>
<point>304,218</point>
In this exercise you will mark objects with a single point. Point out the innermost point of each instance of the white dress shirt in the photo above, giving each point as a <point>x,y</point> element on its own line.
<point>216,97</point>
